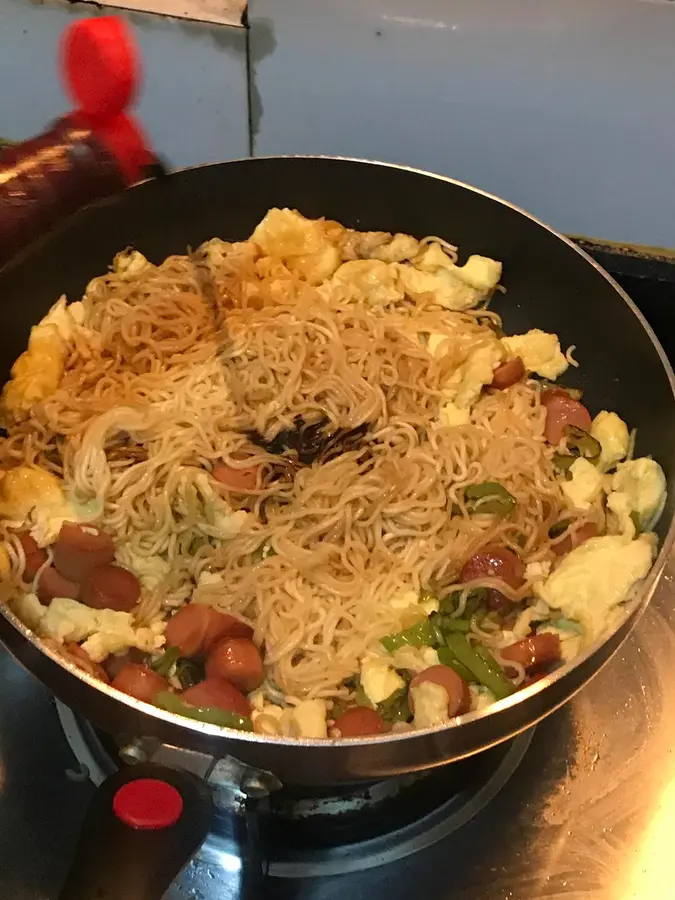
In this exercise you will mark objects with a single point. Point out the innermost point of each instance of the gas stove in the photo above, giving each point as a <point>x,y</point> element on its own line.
<point>581,806</point>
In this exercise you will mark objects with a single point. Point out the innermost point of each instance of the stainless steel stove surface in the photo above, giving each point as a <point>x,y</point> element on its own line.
<point>582,807</point>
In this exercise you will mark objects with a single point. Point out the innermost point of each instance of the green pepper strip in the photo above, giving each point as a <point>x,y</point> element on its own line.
<point>489,497</point>
<point>445,624</point>
<point>448,658</point>
<point>213,715</point>
<point>395,708</point>
<point>482,665</point>
<point>450,604</point>
<point>559,528</point>
<point>166,661</point>
<point>421,634</point>
<point>583,443</point>
<point>563,462</point>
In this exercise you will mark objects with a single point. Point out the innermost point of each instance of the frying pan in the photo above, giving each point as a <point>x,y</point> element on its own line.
<point>551,284</point>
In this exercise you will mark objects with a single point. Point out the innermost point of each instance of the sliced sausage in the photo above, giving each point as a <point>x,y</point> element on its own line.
<point>111,587</point>
<point>575,538</point>
<point>224,625</point>
<point>561,410</point>
<point>495,561</point>
<point>238,661</point>
<point>35,556</point>
<point>52,584</point>
<point>82,659</point>
<point>81,548</point>
<point>215,692</point>
<point>459,698</point>
<point>139,681</point>
<point>508,373</point>
<point>195,628</point>
<point>534,651</point>
<point>358,722</point>
<point>241,481</point>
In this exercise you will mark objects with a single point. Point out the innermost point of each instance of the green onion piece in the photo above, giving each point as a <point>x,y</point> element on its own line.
<point>212,715</point>
<point>395,708</point>
<point>189,672</point>
<point>563,461</point>
<point>421,634</point>
<point>448,658</point>
<point>559,528</point>
<point>581,443</point>
<point>635,519</point>
<point>482,665</point>
<point>489,497</point>
<point>166,661</point>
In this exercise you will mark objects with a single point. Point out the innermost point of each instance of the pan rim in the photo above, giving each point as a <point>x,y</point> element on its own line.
<point>634,610</point>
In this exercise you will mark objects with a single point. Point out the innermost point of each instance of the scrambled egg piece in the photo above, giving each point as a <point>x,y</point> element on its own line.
<point>593,579</point>
<point>369,280</point>
<point>302,244</point>
<point>198,500</point>
<point>29,494</point>
<point>481,697</point>
<point>539,351</point>
<point>431,704</point>
<point>464,386</point>
<point>306,720</point>
<point>612,434</point>
<point>400,248</point>
<point>480,272</point>
<point>454,287</point>
<point>451,415</point>
<point>379,680</point>
<point>103,631</point>
<point>66,317</point>
<point>150,570</point>
<point>584,486</point>
<point>643,485</point>
<point>129,264</point>
<point>37,372</point>
<point>29,609</point>
<point>436,345</point>
<point>415,659</point>
<point>474,374</point>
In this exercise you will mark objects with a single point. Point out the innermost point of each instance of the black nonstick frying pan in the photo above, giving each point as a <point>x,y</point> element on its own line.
<point>550,284</point>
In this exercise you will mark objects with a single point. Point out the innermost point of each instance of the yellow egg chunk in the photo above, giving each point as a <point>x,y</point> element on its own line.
<point>37,372</point>
<point>21,489</point>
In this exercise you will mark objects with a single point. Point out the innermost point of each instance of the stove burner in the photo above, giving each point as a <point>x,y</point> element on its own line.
<point>352,828</point>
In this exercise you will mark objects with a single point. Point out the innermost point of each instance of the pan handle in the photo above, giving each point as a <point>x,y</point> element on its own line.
<point>142,827</point>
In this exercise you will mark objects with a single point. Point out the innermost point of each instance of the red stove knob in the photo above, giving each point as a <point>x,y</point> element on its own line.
<point>148,804</point>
